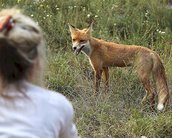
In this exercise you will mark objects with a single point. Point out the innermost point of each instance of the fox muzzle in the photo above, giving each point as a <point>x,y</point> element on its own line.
<point>77,47</point>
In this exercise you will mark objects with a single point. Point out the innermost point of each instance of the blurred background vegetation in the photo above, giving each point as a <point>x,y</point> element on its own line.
<point>118,114</point>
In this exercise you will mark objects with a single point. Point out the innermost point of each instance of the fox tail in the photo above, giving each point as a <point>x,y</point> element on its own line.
<point>161,82</point>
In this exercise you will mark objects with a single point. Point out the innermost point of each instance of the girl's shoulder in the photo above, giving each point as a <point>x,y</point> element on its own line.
<point>50,97</point>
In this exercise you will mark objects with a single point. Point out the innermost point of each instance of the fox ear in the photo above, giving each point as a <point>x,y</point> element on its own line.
<point>72,28</point>
<point>90,28</point>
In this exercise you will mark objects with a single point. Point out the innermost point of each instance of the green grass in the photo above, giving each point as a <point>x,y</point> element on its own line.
<point>117,114</point>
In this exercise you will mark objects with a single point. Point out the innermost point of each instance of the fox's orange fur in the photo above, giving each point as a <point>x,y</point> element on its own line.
<point>103,55</point>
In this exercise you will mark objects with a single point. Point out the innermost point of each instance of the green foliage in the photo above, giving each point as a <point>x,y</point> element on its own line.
<point>119,113</point>
<point>140,22</point>
<point>152,125</point>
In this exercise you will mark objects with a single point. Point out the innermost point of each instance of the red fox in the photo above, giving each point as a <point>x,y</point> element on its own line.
<point>103,54</point>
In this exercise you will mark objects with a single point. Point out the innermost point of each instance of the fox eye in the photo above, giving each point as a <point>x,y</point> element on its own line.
<point>73,40</point>
<point>81,41</point>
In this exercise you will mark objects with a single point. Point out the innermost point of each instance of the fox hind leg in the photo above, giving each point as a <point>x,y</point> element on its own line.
<point>149,91</point>
<point>144,72</point>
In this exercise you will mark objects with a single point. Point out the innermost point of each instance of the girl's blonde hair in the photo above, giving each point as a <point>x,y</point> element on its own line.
<point>22,51</point>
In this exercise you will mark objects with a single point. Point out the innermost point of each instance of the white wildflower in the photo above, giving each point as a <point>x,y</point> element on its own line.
<point>88,15</point>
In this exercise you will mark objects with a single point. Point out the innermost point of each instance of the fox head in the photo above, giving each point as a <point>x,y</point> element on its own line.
<point>81,39</point>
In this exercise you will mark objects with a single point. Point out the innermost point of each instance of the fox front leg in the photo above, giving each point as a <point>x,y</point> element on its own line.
<point>106,78</point>
<point>98,74</point>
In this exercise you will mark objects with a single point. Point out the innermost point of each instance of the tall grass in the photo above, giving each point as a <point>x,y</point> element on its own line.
<point>119,113</point>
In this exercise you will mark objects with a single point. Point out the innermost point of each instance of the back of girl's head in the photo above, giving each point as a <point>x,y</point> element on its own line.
<point>21,48</point>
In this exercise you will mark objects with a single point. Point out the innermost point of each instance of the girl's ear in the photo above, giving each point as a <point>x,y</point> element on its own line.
<point>72,28</point>
<point>89,29</point>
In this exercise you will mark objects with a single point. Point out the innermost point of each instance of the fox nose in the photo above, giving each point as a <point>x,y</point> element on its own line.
<point>74,48</point>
